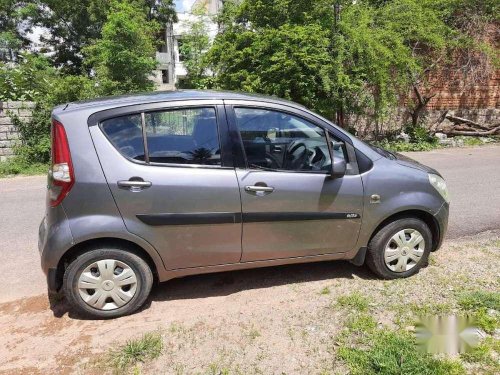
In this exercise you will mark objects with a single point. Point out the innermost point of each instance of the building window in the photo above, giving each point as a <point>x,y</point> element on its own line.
<point>164,76</point>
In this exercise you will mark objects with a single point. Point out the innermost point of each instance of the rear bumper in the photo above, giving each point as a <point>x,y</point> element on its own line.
<point>442,220</point>
<point>54,235</point>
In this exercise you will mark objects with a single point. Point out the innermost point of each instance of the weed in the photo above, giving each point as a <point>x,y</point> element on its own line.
<point>361,323</point>
<point>484,308</point>
<point>479,299</point>
<point>253,333</point>
<point>146,348</point>
<point>431,309</point>
<point>355,301</point>
<point>325,291</point>
<point>486,320</point>
<point>432,261</point>
<point>483,353</point>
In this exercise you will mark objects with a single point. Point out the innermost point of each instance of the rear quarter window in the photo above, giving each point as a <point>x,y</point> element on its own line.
<point>125,133</point>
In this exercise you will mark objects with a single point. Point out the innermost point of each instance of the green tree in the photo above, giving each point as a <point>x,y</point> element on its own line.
<point>362,60</point>
<point>124,58</point>
<point>35,79</point>
<point>194,46</point>
<point>13,13</point>
<point>74,25</point>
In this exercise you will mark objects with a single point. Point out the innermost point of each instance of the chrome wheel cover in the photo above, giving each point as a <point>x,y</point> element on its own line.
<point>107,284</point>
<point>404,250</point>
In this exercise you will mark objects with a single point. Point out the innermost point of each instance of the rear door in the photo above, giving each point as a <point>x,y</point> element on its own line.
<point>291,206</point>
<point>171,175</point>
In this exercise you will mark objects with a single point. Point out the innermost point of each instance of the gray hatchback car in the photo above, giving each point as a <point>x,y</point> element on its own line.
<point>151,187</point>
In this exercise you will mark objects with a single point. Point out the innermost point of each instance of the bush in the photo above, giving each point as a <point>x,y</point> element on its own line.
<point>17,165</point>
<point>33,79</point>
<point>401,146</point>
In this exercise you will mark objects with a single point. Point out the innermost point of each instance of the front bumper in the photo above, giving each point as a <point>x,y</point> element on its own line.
<point>441,218</point>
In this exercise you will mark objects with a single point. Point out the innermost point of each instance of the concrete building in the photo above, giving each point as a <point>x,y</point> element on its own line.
<point>170,70</point>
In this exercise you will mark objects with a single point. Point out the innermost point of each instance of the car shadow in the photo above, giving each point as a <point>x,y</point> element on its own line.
<point>227,283</point>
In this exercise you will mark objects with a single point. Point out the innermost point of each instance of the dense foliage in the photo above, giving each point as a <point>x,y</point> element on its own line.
<point>338,57</point>
<point>124,57</point>
<point>360,60</point>
<point>120,61</point>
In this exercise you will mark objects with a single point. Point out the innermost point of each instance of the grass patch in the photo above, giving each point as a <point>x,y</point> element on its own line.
<point>355,301</point>
<point>401,146</point>
<point>253,333</point>
<point>324,291</point>
<point>361,323</point>
<point>486,321</point>
<point>485,355</point>
<point>147,348</point>
<point>431,309</point>
<point>387,352</point>
<point>484,308</point>
<point>16,166</point>
<point>479,299</point>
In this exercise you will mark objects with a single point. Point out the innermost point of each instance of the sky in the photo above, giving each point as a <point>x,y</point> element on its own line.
<point>183,5</point>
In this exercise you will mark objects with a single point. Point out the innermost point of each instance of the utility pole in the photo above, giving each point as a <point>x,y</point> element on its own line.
<point>339,115</point>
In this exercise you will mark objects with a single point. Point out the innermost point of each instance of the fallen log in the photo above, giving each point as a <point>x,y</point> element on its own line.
<point>461,120</point>
<point>472,133</point>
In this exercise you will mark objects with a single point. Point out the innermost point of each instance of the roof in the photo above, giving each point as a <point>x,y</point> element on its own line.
<point>160,96</point>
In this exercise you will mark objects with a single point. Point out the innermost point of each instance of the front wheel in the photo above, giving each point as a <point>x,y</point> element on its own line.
<point>107,283</point>
<point>399,249</point>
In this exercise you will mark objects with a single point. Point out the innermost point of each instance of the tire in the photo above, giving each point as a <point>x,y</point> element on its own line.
<point>387,243</point>
<point>118,285</point>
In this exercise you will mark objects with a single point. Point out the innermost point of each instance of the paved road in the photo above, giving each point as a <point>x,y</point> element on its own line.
<point>473,176</point>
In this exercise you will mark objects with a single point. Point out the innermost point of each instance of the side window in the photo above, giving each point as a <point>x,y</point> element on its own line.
<point>278,140</point>
<point>183,136</point>
<point>125,133</point>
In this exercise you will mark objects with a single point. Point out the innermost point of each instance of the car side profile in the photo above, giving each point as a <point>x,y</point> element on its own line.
<point>152,187</point>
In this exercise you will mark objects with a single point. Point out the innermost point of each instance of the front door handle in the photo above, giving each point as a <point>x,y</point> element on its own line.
<point>134,184</point>
<point>256,189</point>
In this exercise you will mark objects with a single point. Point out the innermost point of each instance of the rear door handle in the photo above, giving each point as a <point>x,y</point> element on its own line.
<point>255,189</point>
<point>134,184</point>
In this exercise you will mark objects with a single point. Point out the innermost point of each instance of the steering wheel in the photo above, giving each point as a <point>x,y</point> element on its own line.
<point>294,160</point>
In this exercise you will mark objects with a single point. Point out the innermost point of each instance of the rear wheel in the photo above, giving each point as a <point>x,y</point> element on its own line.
<point>399,249</point>
<point>107,283</point>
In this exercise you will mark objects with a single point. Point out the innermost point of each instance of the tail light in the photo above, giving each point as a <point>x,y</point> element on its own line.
<point>61,173</point>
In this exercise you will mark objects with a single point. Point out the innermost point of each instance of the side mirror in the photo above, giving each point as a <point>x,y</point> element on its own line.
<point>339,166</point>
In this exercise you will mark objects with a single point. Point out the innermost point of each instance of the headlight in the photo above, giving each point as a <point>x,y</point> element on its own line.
<point>440,185</point>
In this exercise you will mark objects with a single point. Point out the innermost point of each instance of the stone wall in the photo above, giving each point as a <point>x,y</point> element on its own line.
<point>8,133</point>
<point>397,120</point>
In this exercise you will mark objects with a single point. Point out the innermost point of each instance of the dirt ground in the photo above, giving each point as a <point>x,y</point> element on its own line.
<point>271,321</point>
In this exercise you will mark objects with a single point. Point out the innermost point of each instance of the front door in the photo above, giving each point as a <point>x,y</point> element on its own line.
<point>291,206</point>
<point>166,170</point>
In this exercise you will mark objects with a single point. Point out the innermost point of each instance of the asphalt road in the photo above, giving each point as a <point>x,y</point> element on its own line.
<point>472,174</point>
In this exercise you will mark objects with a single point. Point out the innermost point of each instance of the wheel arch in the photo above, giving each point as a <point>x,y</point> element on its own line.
<point>119,243</point>
<point>426,217</point>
